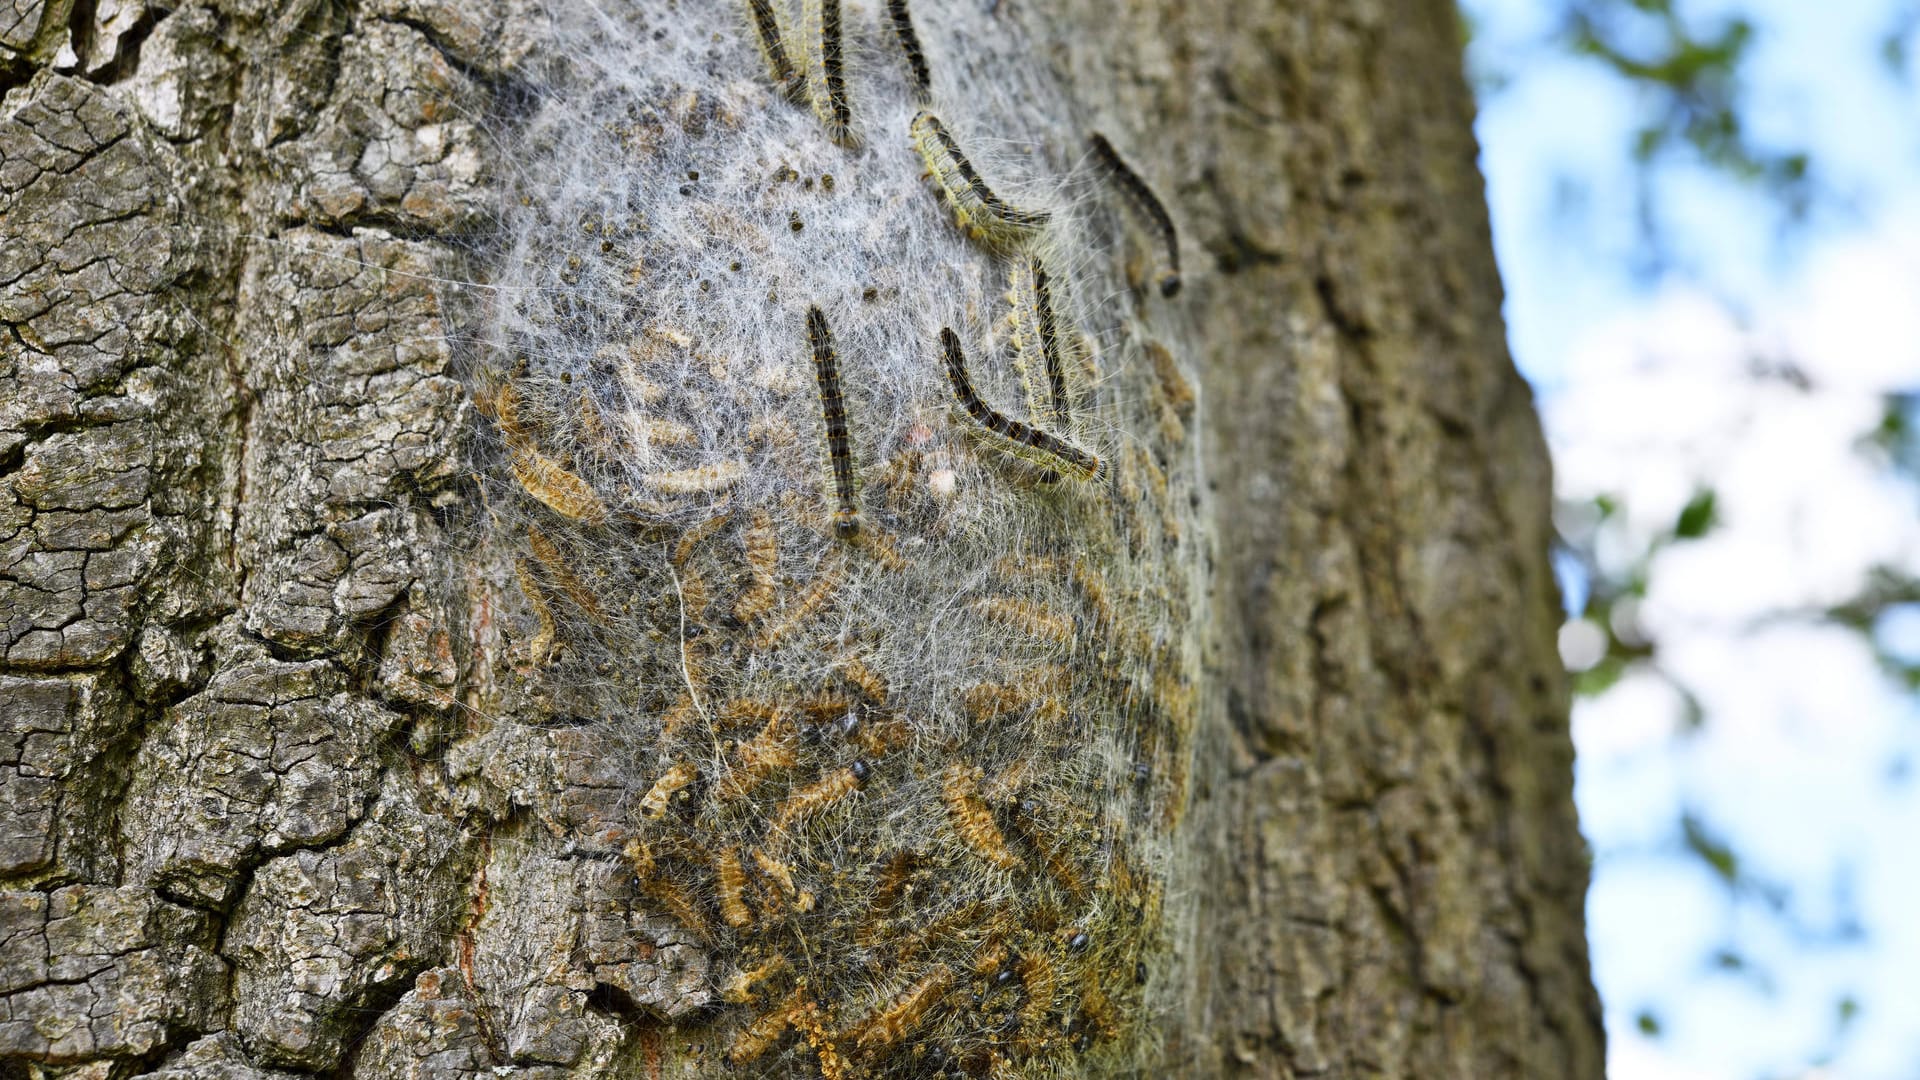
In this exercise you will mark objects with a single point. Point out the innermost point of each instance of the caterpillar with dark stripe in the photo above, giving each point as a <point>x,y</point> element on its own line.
<point>1040,348</point>
<point>1146,203</point>
<point>826,368</point>
<point>917,72</point>
<point>766,27</point>
<point>1024,441</point>
<point>978,210</point>
<point>826,70</point>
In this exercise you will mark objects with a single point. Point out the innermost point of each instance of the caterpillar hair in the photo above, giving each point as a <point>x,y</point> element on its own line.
<point>1024,441</point>
<point>826,367</point>
<point>827,70</point>
<point>917,72</point>
<point>1146,203</point>
<point>978,210</point>
<point>766,27</point>
<point>1038,346</point>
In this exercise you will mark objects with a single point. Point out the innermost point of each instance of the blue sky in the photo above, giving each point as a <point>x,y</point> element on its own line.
<point>1646,389</point>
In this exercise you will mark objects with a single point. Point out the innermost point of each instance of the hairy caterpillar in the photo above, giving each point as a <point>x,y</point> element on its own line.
<point>562,492</point>
<point>975,206</point>
<point>1143,200</point>
<point>826,366</point>
<point>700,480</point>
<point>826,70</point>
<point>1037,344</point>
<point>760,1036</point>
<point>917,73</point>
<point>740,988</point>
<point>766,28</point>
<point>1028,618</point>
<point>816,797</point>
<point>1036,974</point>
<point>892,1024</point>
<point>556,563</point>
<point>871,684</point>
<point>763,558</point>
<point>803,607</point>
<point>1023,441</point>
<point>675,780</point>
<point>767,752</point>
<point>733,883</point>
<point>971,818</point>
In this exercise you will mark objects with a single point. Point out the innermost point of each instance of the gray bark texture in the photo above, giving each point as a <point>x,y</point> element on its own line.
<point>428,646</point>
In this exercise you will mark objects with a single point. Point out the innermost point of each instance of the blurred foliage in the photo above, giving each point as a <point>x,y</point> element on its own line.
<point>1690,65</point>
<point>1693,84</point>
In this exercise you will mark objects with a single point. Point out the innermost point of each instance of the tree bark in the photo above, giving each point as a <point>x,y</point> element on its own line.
<point>428,650</point>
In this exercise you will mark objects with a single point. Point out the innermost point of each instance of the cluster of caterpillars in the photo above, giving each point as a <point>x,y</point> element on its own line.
<point>994,934</point>
<point>1041,339</point>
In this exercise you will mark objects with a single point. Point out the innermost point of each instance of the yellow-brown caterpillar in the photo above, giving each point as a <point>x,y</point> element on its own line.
<point>763,559</point>
<point>977,209</point>
<point>1143,200</point>
<point>675,780</point>
<point>540,647</point>
<point>816,797</point>
<point>740,988</point>
<point>971,818</point>
<point>767,752</point>
<point>1029,618</point>
<point>563,492</point>
<point>1024,441</point>
<point>700,480</point>
<point>803,607</point>
<point>892,1024</point>
<point>826,70</point>
<point>826,368</point>
<point>917,73</point>
<point>733,885</point>
<point>764,1032</point>
<point>1036,974</point>
<point>559,569</point>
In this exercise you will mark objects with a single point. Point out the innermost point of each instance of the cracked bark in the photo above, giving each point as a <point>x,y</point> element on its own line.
<point>247,827</point>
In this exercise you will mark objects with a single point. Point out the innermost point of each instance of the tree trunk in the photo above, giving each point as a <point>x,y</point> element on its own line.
<point>436,643</point>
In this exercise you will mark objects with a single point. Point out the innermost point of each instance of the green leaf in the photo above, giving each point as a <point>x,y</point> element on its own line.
<point>1697,517</point>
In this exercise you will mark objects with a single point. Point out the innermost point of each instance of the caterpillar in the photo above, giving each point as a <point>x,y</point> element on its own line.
<point>562,492</point>
<point>917,72</point>
<point>699,480</point>
<point>976,208</point>
<point>816,797</point>
<point>760,1036</point>
<point>1146,203</point>
<point>1036,974</point>
<point>1029,618</point>
<point>766,26</point>
<point>826,70</point>
<point>766,753</point>
<point>675,780</point>
<point>559,568</point>
<point>826,367</point>
<point>892,1024</point>
<point>740,988</point>
<point>803,607</point>
<point>1030,443</point>
<point>733,882</point>
<point>540,647</point>
<point>1038,345</point>
<point>763,559</point>
<point>971,818</point>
